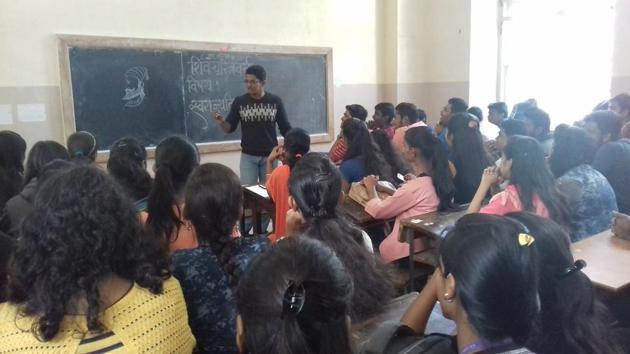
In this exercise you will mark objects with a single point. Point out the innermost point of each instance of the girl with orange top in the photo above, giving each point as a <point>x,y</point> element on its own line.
<point>297,143</point>
<point>175,159</point>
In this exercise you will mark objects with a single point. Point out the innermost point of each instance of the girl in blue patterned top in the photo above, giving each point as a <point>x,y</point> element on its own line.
<point>590,198</point>
<point>213,203</point>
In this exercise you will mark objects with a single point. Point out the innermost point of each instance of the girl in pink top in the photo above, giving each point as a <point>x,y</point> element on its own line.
<point>531,186</point>
<point>430,188</point>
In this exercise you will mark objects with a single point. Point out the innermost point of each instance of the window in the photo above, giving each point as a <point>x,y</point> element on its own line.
<point>558,52</point>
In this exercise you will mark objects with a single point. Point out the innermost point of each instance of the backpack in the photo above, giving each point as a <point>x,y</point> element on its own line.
<point>391,337</point>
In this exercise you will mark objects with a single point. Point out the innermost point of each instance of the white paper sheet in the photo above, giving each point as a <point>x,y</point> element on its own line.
<point>31,112</point>
<point>6,114</point>
<point>259,190</point>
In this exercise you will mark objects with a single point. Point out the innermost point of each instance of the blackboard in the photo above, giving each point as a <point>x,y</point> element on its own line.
<point>115,87</point>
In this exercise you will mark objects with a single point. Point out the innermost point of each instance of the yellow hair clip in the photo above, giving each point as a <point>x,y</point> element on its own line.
<point>525,239</point>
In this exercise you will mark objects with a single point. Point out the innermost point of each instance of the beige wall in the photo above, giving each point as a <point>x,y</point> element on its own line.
<point>621,55</point>
<point>29,71</point>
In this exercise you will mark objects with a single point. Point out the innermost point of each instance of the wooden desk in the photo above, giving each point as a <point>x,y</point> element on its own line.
<point>427,228</point>
<point>356,213</point>
<point>607,260</point>
<point>393,312</point>
<point>257,200</point>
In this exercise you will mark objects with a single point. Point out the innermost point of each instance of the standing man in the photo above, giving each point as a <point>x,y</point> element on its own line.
<point>258,112</point>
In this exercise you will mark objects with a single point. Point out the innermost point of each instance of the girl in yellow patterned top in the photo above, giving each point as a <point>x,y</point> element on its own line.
<point>80,281</point>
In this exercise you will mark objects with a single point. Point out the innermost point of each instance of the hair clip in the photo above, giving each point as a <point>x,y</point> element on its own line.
<point>576,266</point>
<point>293,299</point>
<point>525,239</point>
<point>298,156</point>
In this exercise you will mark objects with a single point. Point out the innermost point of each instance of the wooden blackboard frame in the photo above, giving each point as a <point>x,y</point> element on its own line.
<point>66,42</point>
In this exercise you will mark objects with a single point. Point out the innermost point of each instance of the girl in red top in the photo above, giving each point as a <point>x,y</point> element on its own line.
<point>297,143</point>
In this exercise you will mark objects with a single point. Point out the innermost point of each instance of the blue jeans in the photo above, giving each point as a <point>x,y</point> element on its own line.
<point>253,169</point>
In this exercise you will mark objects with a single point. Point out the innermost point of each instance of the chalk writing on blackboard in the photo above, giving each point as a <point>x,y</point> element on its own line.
<point>211,64</point>
<point>201,108</point>
<point>134,92</point>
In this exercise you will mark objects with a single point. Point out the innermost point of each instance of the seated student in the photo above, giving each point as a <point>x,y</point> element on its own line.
<point>477,112</point>
<point>537,125</point>
<point>620,104</point>
<point>468,155</point>
<point>363,156</point>
<point>430,190</point>
<point>16,208</point>
<point>214,204</point>
<point>13,148</point>
<point>339,148</point>
<point>531,186</point>
<point>509,128</point>
<point>590,199</point>
<point>384,143</point>
<point>613,155</point>
<point>485,282</point>
<point>295,299</point>
<point>127,164</point>
<point>497,112</point>
<point>98,291</point>
<point>407,113</point>
<point>82,147</point>
<point>315,191</point>
<point>455,105</point>
<point>571,318</point>
<point>384,113</point>
<point>297,143</point>
<point>175,159</point>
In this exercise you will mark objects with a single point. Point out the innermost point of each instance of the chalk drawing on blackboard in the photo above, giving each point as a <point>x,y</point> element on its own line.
<point>134,92</point>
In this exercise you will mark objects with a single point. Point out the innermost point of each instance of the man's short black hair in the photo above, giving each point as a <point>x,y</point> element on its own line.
<point>422,115</point>
<point>387,110</point>
<point>499,107</point>
<point>257,71</point>
<point>538,117</point>
<point>477,112</point>
<point>513,127</point>
<point>458,105</point>
<point>607,122</point>
<point>357,111</point>
<point>623,100</point>
<point>409,110</point>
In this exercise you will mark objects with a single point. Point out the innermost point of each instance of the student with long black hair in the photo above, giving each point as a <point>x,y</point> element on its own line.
<point>175,159</point>
<point>315,191</point>
<point>20,205</point>
<point>127,163</point>
<point>531,186</point>
<point>80,279</point>
<point>208,273</point>
<point>430,190</point>
<point>297,143</point>
<point>295,299</point>
<point>13,148</point>
<point>591,202</point>
<point>468,153</point>
<point>571,318</point>
<point>486,282</point>
<point>82,147</point>
<point>385,144</point>
<point>363,157</point>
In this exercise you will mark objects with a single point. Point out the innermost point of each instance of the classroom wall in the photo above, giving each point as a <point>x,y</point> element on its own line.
<point>621,52</point>
<point>29,71</point>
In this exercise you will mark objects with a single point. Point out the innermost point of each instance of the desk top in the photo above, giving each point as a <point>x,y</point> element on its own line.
<point>355,212</point>
<point>607,260</point>
<point>431,224</point>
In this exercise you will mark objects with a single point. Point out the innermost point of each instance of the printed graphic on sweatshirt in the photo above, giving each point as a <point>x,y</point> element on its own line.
<point>258,112</point>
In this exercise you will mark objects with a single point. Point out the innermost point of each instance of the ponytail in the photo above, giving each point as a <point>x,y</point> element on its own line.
<point>162,220</point>
<point>175,159</point>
